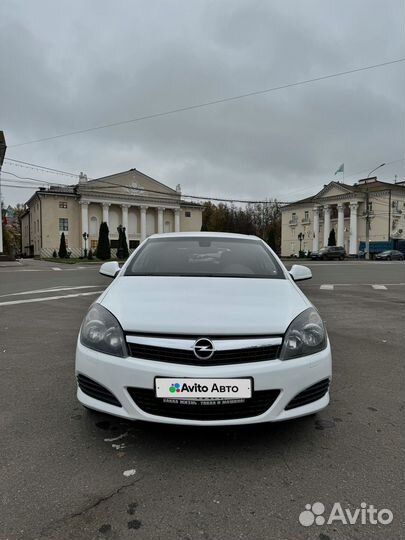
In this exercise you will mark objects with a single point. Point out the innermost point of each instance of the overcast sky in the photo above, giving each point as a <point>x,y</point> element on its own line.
<point>71,65</point>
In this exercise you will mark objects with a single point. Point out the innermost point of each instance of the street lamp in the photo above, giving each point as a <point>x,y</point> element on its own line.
<point>85,237</point>
<point>120,249</point>
<point>379,167</point>
<point>367,249</point>
<point>301,238</point>
<point>3,148</point>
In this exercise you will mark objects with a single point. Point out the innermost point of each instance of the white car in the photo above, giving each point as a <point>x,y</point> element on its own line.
<point>203,329</point>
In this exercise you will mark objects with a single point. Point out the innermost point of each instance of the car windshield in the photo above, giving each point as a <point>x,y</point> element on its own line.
<point>204,256</point>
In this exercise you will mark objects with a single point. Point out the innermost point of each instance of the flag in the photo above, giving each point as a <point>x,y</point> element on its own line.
<point>340,169</point>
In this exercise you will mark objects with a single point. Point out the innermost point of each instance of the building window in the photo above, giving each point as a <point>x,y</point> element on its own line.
<point>294,217</point>
<point>133,244</point>
<point>188,213</point>
<point>93,226</point>
<point>63,224</point>
<point>62,204</point>
<point>370,206</point>
<point>306,215</point>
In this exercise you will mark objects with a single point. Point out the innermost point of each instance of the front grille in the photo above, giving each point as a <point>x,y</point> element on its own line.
<point>96,391</point>
<point>313,393</point>
<point>258,404</point>
<point>184,356</point>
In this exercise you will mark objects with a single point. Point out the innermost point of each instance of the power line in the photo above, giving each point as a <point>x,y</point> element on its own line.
<point>17,186</point>
<point>40,168</point>
<point>29,178</point>
<point>211,103</point>
<point>168,197</point>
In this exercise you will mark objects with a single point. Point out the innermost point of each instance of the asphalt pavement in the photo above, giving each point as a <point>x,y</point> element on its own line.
<point>67,474</point>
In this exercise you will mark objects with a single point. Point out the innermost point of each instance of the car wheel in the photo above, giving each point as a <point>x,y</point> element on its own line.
<point>340,258</point>
<point>388,258</point>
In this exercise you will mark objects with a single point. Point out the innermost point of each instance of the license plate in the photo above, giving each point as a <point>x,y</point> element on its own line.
<point>203,388</point>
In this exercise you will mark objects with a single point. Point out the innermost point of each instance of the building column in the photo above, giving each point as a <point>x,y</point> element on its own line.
<point>106,206</point>
<point>143,222</point>
<point>124,210</point>
<point>326,224</point>
<point>160,219</point>
<point>341,225</point>
<point>177,220</point>
<point>85,220</point>
<point>353,228</point>
<point>315,241</point>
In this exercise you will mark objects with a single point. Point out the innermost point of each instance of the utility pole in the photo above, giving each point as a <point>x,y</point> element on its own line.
<point>3,148</point>
<point>367,255</point>
<point>389,218</point>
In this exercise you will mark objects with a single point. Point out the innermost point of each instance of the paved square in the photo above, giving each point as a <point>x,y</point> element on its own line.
<point>68,474</point>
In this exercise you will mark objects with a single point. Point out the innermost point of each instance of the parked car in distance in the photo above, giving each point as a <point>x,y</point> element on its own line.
<point>203,329</point>
<point>329,252</point>
<point>390,255</point>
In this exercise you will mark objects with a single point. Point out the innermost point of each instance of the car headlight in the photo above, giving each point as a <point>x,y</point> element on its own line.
<point>305,335</point>
<point>102,332</point>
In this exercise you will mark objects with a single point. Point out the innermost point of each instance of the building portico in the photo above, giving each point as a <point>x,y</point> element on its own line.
<point>133,200</point>
<point>343,208</point>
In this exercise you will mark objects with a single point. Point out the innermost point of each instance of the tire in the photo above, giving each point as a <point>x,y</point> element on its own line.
<point>389,259</point>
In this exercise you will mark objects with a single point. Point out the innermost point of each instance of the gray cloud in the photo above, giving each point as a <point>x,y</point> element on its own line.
<point>74,65</point>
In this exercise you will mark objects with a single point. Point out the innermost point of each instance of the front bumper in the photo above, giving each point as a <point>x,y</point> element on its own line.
<point>290,377</point>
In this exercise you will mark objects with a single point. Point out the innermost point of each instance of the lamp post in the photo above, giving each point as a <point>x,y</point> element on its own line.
<point>85,237</point>
<point>301,238</point>
<point>3,148</point>
<point>367,254</point>
<point>120,246</point>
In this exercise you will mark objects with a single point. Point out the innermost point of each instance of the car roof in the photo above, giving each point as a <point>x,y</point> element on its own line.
<point>204,234</point>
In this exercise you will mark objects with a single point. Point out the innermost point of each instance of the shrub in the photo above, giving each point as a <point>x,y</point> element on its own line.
<point>62,247</point>
<point>103,247</point>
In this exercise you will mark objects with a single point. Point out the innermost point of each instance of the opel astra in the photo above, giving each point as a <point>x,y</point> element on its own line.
<point>203,329</point>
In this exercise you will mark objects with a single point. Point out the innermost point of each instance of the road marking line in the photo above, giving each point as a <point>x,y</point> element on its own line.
<point>327,287</point>
<point>47,298</point>
<point>56,268</point>
<point>51,289</point>
<point>379,287</point>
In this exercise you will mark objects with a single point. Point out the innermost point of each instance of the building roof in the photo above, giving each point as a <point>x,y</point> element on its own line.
<point>361,186</point>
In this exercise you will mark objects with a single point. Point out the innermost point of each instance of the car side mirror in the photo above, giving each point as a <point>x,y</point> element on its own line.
<point>110,269</point>
<point>299,272</point>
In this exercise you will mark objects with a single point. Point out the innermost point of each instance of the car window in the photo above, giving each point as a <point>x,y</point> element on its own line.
<point>204,256</point>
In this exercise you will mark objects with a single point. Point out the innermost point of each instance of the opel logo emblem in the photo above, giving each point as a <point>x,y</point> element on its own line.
<point>204,349</point>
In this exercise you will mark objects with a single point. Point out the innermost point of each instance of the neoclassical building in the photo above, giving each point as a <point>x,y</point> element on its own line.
<point>132,199</point>
<point>342,207</point>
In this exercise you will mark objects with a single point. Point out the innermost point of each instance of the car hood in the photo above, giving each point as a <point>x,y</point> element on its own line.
<point>204,305</point>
